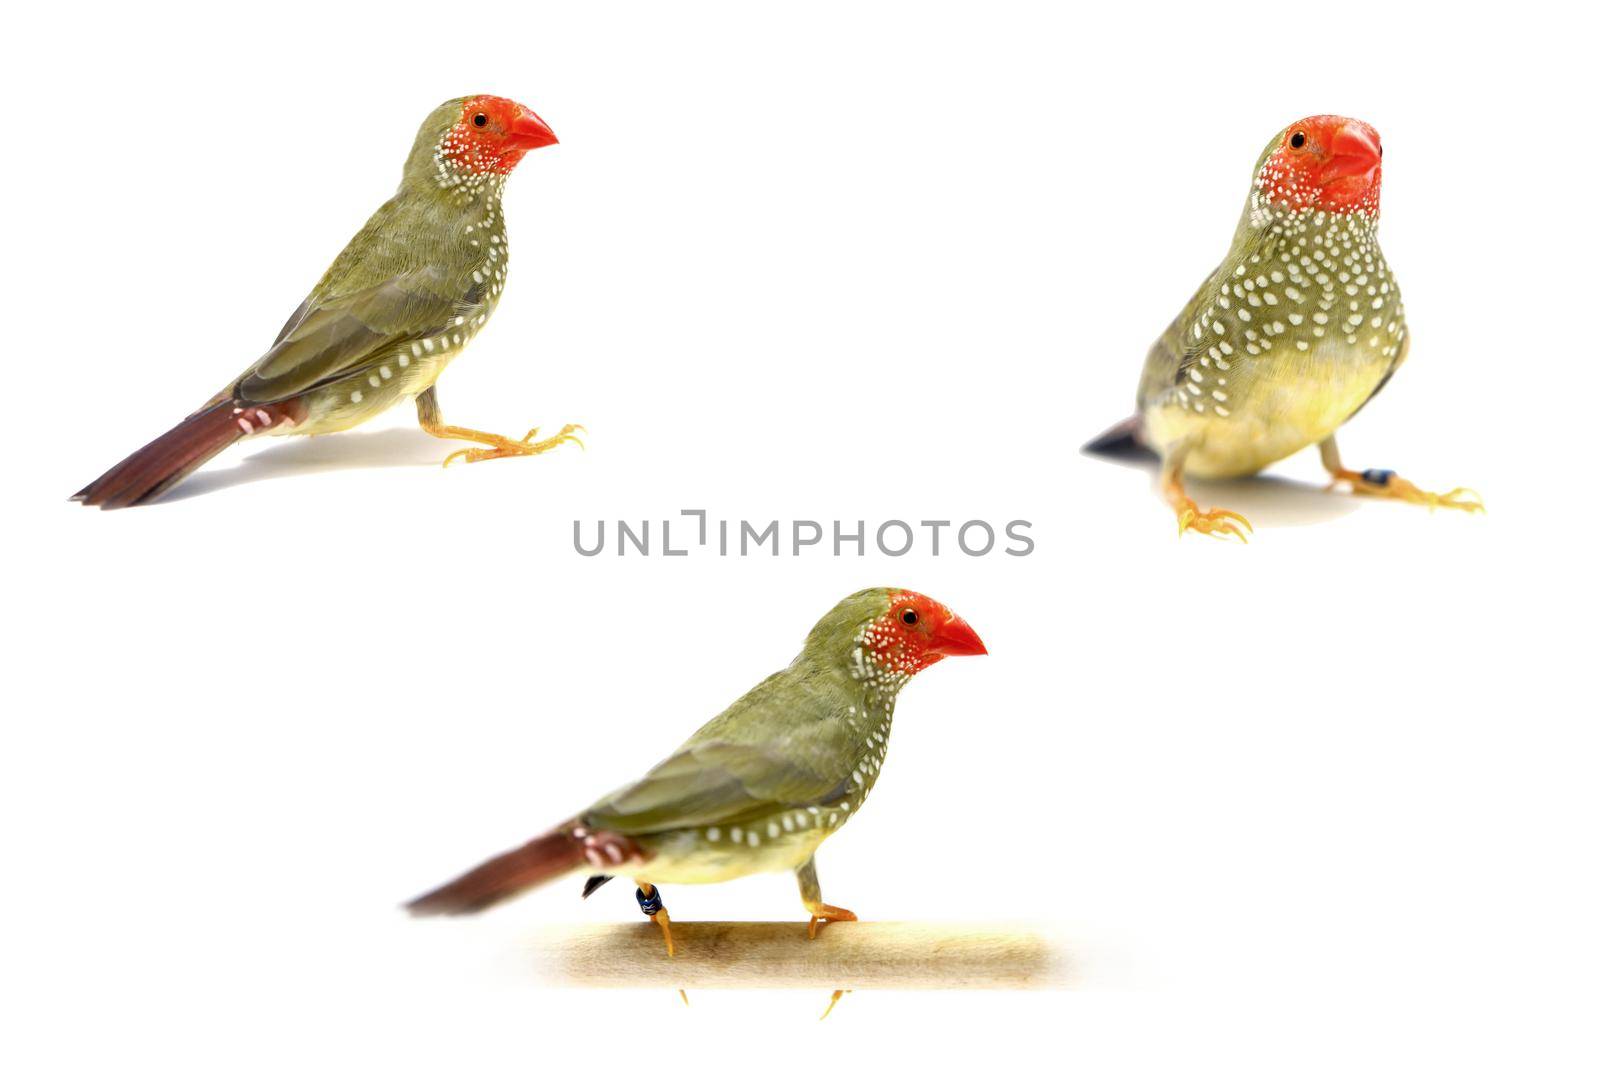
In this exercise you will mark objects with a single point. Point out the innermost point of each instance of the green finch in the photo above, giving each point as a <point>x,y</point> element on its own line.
<point>398,304</point>
<point>757,788</point>
<point>1290,336</point>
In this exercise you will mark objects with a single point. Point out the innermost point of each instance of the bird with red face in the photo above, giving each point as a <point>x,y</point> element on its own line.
<point>400,302</point>
<point>1290,336</point>
<point>759,787</point>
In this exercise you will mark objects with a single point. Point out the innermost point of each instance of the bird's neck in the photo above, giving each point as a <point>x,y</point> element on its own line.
<point>466,219</point>
<point>877,681</point>
<point>1266,221</point>
<point>461,183</point>
<point>451,193</point>
<point>483,233</point>
<point>1329,248</point>
<point>874,687</point>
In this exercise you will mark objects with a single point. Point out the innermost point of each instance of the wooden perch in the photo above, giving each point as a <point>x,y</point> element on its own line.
<point>762,955</point>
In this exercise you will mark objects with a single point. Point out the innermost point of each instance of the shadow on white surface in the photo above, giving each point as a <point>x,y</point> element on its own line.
<point>398,447</point>
<point>1267,500</point>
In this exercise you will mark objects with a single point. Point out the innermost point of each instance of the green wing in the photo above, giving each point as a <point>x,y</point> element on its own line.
<point>342,335</point>
<point>713,781</point>
<point>1176,348</point>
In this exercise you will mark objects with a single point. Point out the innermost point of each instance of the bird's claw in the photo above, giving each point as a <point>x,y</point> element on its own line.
<point>569,432</point>
<point>821,913</point>
<point>1384,483</point>
<point>662,920</point>
<point>528,446</point>
<point>1461,498</point>
<point>1216,522</point>
<point>827,913</point>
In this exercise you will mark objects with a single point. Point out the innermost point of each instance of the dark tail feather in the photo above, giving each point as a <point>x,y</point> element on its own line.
<point>1123,441</point>
<point>173,456</point>
<point>506,875</point>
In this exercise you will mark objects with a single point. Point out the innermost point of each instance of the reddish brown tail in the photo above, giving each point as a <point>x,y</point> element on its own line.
<point>508,874</point>
<point>173,456</point>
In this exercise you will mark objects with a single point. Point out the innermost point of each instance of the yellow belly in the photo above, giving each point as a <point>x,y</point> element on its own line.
<point>688,859</point>
<point>1278,416</point>
<point>339,407</point>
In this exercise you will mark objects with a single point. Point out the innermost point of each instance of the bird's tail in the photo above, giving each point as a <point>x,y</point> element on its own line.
<point>508,874</point>
<point>1124,441</point>
<point>173,456</point>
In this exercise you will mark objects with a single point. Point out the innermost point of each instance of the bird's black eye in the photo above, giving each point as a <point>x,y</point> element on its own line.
<point>480,119</point>
<point>908,617</point>
<point>1297,139</point>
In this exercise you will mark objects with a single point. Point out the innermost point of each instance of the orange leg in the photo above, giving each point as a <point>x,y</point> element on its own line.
<point>650,903</point>
<point>1216,522</point>
<point>498,447</point>
<point>1388,484</point>
<point>811,895</point>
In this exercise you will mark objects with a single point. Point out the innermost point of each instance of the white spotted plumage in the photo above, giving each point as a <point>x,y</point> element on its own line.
<point>1295,330</point>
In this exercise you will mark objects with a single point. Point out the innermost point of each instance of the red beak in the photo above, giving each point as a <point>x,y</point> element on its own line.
<point>1353,153</point>
<point>955,638</point>
<point>531,132</point>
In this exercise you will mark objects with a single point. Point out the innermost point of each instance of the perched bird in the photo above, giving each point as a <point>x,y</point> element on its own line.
<point>398,304</point>
<point>757,788</point>
<point>1299,326</point>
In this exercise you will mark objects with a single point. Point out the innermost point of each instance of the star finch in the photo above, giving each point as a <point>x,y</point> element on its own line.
<point>1298,328</point>
<point>757,788</point>
<point>403,298</point>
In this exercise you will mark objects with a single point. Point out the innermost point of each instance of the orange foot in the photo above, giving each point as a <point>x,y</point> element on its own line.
<point>1382,483</point>
<point>1216,522</point>
<point>821,912</point>
<point>662,920</point>
<point>502,447</point>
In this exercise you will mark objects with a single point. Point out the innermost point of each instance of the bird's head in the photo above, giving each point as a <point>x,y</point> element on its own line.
<point>1322,163</point>
<point>889,635</point>
<point>476,137</point>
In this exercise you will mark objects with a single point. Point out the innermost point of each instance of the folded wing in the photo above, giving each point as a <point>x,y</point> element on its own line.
<point>344,335</point>
<point>716,781</point>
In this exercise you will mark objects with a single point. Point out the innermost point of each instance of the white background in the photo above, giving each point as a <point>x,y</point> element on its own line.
<point>1325,796</point>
